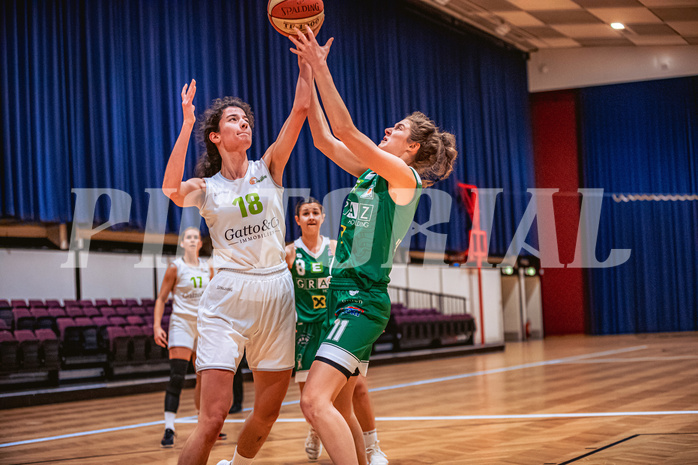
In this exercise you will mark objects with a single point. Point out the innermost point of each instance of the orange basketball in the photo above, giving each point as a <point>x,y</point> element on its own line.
<point>284,15</point>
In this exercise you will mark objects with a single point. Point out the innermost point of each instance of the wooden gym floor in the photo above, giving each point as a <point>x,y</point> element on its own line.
<point>579,400</point>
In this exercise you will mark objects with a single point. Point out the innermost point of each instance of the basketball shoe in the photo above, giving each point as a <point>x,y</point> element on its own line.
<point>375,455</point>
<point>168,439</point>
<point>313,446</point>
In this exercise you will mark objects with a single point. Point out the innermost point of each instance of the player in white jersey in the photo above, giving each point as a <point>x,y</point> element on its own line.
<point>186,278</point>
<point>249,303</point>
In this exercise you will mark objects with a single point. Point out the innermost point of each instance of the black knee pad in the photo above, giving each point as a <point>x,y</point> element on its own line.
<point>178,370</point>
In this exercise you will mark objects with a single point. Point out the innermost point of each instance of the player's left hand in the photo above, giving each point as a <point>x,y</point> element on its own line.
<point>308,48</point>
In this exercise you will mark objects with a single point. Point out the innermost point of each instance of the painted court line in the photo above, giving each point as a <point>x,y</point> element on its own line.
<point>385,388</point>
<point>533,416</point>
<point>512,368</point>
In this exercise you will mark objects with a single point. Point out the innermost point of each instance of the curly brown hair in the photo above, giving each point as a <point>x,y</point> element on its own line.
<point>437,149</point>
<point>210,161</point>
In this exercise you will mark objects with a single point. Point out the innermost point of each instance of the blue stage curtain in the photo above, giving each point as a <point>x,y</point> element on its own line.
<point>642,138</point>
<point>90,98</point>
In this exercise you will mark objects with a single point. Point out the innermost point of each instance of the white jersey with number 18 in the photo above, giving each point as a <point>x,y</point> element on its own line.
<point>246,219</point>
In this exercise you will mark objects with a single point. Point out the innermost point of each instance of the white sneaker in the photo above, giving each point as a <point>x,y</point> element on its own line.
<point>375,455</point>
<point>224,462</point>
<point>313,445</point>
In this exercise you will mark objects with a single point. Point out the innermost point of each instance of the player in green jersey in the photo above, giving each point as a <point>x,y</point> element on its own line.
<point>376,216</point>
<point>308,258</point>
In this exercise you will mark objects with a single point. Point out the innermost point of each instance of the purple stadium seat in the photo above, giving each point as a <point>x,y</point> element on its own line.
<point>133,320</point>
<point>91,312</point>
<point>101,303</point>
<point>131,302</point>
<point>149,320</point>
<point>53,303</point>
<point>74,311</point>
<point>88,334</point>
<point>4,326</point>
<point>155,352</point>
<point>28,349</point>
<point>139,342</point>
<point>48,349</point>
<point>5,303</point>
<point>145,302</point>
<point>69,335</point>
<point>23,319</point>
<point>137,310</point>
<point>118,343</point>
<point>63,323</point>
<point>8,352</point>
<point>101,322</point>
<point>70,302</point>
<point>165,323</point>
<point>123,311</point>
<point>107,311</point>
<point>57,312</point>
<point>117,302</point>
<point>18,303</point>
<point>86,303</point>
<point>7,316</point>
<point>117,321</point>
<point>36,303</point>
<point>42,318</point>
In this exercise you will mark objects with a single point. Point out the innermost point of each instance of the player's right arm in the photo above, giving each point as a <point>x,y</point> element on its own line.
<point>188,193</point>
<point>290,254</point>
<point>328,144</point>
<point>168,284</point>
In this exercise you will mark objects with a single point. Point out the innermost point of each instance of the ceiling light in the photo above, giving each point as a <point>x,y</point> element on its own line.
<point>618,26</point>
<point>502,29</point>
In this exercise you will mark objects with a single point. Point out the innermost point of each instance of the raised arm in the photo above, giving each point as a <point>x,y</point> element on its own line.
<point>183,193</point>
<point>388,166</point>
<point>278,153</point>
<point>324,141</point>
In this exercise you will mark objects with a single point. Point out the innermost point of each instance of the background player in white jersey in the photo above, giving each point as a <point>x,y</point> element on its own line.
<point>185,278</point>
<point>249,303</point>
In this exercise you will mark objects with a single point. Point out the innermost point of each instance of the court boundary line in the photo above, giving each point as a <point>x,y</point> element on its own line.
<point>385,388</point>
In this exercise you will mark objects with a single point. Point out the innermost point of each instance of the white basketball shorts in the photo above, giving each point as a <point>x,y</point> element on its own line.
<point>252,310</point>
<point>182,332</point>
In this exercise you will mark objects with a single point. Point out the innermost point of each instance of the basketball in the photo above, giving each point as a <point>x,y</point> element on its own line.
<point>284,15</point>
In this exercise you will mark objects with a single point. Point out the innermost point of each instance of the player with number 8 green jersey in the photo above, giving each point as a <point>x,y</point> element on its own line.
<point>311,279</point>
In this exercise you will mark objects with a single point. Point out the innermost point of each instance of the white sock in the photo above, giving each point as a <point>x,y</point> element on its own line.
<point>169,420</point>
<point>370,438</point>
<point>239,459</point>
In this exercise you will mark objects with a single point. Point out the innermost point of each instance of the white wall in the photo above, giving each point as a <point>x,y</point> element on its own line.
<point>115,275</point>
<point>35,274</point>
<point>534,305</point>
<point>569,68</point>
<point>511,307</point>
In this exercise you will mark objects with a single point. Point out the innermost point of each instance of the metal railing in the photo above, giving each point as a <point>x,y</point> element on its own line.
<point>444,303</point>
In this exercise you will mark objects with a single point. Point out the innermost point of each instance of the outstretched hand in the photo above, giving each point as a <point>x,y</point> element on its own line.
<point>308,48</point>
<point>188,102</point>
